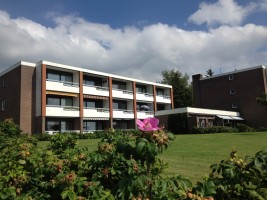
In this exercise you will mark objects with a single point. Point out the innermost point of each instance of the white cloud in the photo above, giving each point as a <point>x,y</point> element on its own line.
<point>263,5</point>
<point>139,53</point>
<point>226,12</point>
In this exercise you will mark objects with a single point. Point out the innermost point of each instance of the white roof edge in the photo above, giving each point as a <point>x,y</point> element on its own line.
<point>233,72</point>
<point>101,73</point>
<point>197,111</point>
<point>16,65</point>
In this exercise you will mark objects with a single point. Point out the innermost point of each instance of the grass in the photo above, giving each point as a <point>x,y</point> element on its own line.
<point>191,155</point>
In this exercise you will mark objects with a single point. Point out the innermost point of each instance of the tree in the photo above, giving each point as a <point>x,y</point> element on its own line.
<point>209,73</point>
<point>262,100</point>
<point>182,90</point>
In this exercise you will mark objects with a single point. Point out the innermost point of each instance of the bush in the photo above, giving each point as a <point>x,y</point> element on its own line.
<point>238,178</point>
<point>9,128</point>
<point>244,128</point>
<point>214,129</point>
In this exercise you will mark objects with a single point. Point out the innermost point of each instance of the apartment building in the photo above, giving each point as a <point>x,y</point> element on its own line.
<point>234,91</point>
<point>49,97</point>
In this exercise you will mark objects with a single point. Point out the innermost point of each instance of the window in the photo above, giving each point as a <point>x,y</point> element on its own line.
<point>119,85</point>
<point>160,92</point>
<point>234,105</point>
<point>160,107</point>
<point>231,77</point>
<point>92,81</point>
<point>141,88</point>
<point>59,76</point>
<point>232,91</point>
<point>59,101</point>
<point>58,125</point>
<point>92,125</point>
<point>93,103</point>
<point>120,124</point>
<point>3,104</point>
<point>119,105</point>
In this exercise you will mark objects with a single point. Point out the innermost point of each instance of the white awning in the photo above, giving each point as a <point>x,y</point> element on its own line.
<point>237,118</point>
<point>225,117</point>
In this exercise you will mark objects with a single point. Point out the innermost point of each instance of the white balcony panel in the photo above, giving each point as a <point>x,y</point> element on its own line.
<point>96,112</point>
<point>63,87</point>
<point>123,114</point>
<point>122,94</point>
<point>95,90</point>
<point>62,111</point>
<point>163,99</point>
<point>144,114</point>
<point>144,97</point>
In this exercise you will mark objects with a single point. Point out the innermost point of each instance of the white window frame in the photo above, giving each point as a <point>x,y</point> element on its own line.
<point>232,91</point>
<point>231,77</point>
<point>234,105</point>
<point>3,104</point>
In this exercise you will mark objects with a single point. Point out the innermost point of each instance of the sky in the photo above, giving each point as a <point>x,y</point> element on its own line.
<point>138,38</point>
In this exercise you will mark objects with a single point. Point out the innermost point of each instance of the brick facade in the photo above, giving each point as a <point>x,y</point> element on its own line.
<point>236,91</point>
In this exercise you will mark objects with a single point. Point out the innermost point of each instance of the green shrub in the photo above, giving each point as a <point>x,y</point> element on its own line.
<point>214,129</point>
<point>244,128</point>
<point>237,178</point>
<point>9,128</point>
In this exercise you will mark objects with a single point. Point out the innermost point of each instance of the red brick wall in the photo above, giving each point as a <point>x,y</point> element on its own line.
<point>214,93</point>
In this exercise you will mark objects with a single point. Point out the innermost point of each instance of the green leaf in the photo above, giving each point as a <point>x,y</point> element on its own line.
<point>22,162</point>
<point>49,153</point>
<point>72,195</point>
<point>64,194</point>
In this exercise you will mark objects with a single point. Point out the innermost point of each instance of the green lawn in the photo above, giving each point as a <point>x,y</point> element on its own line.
<point>191,155</point>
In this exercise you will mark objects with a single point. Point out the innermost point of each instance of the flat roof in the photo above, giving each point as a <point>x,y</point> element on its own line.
<point>234,72</point>
<point>16,65</point>
<point>197,111</point>
<point>83,70</point>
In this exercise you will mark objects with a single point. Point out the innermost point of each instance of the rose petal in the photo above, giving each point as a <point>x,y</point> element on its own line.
<point>154,121</point>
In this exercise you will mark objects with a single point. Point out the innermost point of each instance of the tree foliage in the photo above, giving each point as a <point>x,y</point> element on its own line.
<point>209,73</point>
<point>182,90</point>
<point>262,99</point>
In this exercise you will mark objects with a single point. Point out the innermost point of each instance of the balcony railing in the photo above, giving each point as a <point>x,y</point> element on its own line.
<point>119,113</point>
<point>95,90</point>
<point>144,114</point>
<point>163,99</point>
<point>96,112</point>
<point>144,96</point>
<point>62,86</point>
<point>62,111</point>
<point>126,94</point>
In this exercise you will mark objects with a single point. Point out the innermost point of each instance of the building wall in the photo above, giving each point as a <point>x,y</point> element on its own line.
<point>27,99</point>
<point>26,87</point>
<point>10,92</point>
<point>214,93</point>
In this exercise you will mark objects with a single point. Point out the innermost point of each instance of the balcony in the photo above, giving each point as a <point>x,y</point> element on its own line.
<point>62,86</point>
<point>144,114</point>
<point>125,94</point>
<point>65,111</point>
<point>96,90</point>
<point>123,114</point>
<point>163,99</point>
<point>96,112</point>
<point>144,97</point>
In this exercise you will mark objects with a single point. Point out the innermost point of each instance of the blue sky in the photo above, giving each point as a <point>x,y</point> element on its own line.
<point>118,36</point>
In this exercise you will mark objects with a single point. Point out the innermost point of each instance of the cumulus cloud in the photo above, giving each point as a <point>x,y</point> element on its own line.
<point>130,51</point>
<point>263,5</point>
<point>226,12</point>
